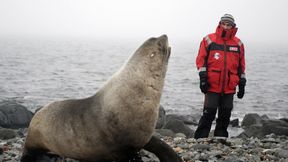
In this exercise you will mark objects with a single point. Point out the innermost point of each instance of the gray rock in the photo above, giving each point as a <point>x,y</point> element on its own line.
<point>264,117</point>
<point>216,153</point>
<point>14,115</point>
<point>1,158</point>
<point>270,140</point>
<point>22,132</point>
<point>236,141</point>
<point>255,158</point>
<point>278,127</point>
<point>183,146</point>
<point>187,119</point>
<point>187,156</point>
<point>282,153</point>
<point>180,135</point>
<point>284,119</point>
<point>283,160</point>
<point>264,127</point>
<point>156,134</point>
<point>204,157</point>
<point>201,147</point>
<point>177,126</point>
<point>251,119</point>
<point>252,131</point>
<point>234,122</point>
<point>272,158</point>
<point>233,159</point>
<point>165,132</point>
<point>7,133</point>
<point>161,117</point>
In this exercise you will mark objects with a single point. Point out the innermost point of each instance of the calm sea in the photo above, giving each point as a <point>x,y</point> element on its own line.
<point>35,72</point>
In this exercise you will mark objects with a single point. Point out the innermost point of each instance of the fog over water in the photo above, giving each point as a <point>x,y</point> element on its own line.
<point>60,49</point>
<point>36,72</point>
<point>258,20</point>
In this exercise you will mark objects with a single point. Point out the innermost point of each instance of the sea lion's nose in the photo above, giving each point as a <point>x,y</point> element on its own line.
<point>164,36</point>
<point>164,40</point>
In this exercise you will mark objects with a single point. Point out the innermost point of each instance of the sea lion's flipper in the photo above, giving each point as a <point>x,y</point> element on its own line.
<point>29,156</point>
<point>162,150</point>
<point>37,155</point>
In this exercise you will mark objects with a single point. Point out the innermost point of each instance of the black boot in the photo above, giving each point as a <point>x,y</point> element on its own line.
<point>205,123</point>
<point>222,122</point>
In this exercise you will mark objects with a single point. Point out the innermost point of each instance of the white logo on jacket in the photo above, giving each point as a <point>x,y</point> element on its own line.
<point>216,55</point>
<point>233,49</point>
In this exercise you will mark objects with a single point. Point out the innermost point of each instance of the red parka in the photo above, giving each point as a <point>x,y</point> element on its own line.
<point>222,55</point>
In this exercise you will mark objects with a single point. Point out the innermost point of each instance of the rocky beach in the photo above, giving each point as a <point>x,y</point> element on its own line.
<point>262,139</point>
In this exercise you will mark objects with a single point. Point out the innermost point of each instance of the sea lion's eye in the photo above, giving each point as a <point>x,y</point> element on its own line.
<point>152,54</point>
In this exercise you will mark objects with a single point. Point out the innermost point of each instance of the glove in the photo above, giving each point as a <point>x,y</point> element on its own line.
<point>203,81</point>
<point>241,88</point>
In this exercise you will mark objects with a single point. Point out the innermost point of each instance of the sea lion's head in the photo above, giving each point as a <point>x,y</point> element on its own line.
<point>141,79</point>
<point>152,56</point>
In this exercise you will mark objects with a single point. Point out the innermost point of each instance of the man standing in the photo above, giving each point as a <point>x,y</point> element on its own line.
<point>221,65</point>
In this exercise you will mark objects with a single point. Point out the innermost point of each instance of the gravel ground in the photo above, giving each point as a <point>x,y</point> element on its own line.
<point>272,148</point>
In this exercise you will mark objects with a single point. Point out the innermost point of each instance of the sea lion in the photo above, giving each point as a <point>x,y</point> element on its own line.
<point>119,119</point>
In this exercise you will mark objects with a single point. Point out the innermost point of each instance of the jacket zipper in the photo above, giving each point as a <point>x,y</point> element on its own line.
<point>225,68</point>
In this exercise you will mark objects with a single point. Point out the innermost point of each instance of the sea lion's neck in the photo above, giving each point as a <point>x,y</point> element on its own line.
<point>134,87</point>
<point>130,100</point>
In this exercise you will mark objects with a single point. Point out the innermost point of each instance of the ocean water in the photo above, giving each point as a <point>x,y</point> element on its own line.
<point>35,72</point>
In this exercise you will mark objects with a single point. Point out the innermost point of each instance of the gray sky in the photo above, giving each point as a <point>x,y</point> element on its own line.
<point>258,20</point>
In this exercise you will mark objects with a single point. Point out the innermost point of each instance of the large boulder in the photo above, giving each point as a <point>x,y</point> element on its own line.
<point>14,115</point>
<point>278,127</point>
<point>165,132</point>
<point>260,127</point>
<point>178,126</point>
<point>234,122</point>
<point>284,119</point>
<point>251,119</point>
<point>187,119</point>
<point>252,131</point>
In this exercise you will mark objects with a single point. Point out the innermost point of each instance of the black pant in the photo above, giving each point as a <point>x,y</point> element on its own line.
<point>213,102</point>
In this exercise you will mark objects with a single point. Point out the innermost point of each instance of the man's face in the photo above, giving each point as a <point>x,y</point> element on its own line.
<point>226,25</point>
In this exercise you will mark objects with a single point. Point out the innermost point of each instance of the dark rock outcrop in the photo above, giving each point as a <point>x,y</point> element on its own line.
<point>14,115</point>
<point>256,126</point>
<point>234,122</point>
<point>7,133</point>
<point>187,119</point>
<point>251,119</point>
<point>178,126</point>
<point>165,132</point>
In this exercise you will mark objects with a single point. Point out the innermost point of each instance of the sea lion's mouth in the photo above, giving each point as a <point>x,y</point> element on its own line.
<point>165,45</point>
<point>168,52</point>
